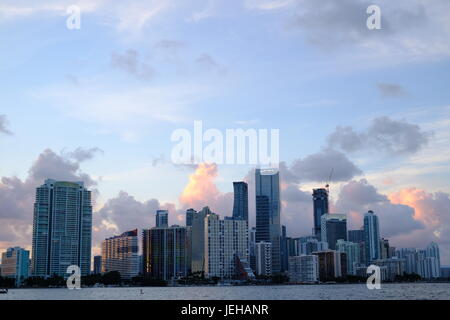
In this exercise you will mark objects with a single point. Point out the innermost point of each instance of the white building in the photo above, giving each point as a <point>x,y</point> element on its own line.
<point>394,267</point>
<point>353,254</point>
<point>263,254</point>
<point>225,241</point>
<point>424,262</point>
<point>304,268</point>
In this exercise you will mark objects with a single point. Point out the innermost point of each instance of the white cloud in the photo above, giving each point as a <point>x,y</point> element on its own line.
<point>125,110</point>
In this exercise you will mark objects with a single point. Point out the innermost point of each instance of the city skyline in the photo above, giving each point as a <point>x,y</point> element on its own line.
<point>99,105</point>
<point>211,246</point>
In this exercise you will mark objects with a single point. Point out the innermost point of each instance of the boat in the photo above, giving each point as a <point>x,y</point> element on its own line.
<point>3,291</point>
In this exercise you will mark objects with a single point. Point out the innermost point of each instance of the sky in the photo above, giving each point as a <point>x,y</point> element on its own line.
<point>99,104</point>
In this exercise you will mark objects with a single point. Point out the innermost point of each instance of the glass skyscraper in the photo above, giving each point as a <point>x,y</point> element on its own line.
<point>166,252</point>
<point>371,237</point>
<point>190,216</point>
<point>268,207</point>
<point>333,228</point>
<point>162,218</point>
<point>62,228</point>
<point>240,206</point>
<point>320,207</point>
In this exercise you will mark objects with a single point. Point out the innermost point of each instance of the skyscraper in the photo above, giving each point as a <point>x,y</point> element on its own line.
<point>167,252</point>
<point>333,228</point>
<point>284,250</point>
<point>356,236</point>
<point>353,255</point>
<point>268,226</point>
<point>62,228</point>
<point>226,244</point>
<point>240,205</point>
<point>189,216</point>
<point>384,249</point>
<point>304,268</point>
<point>97,265</point>
<point>120,253</point>
<point>263,257</point>
<point>332,264</point>
<point>320,207</point>
<point>252,248</point>
<point>371,237</point>
<point>162,218</point>
<point>198,240</point>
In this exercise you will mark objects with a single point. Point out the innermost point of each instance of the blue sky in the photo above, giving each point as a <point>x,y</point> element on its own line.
<point>135,73</point>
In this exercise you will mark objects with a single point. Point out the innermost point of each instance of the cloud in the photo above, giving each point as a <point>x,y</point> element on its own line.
<point>390,90</point>
<point>4,125</point>
<point>268,5</point>
<point>201,191</point>
<point>130,63</point>
<point>411,30</point>
<point>125,110</point>
<point>17,196</point>
<point>82,154</point>
<point>392,137</point>
<point>357,197</point>
<point>433,210</point>
<point>123,213</point>
<point>316,167</point>
<point>129,17</point>
<point>208,63</point>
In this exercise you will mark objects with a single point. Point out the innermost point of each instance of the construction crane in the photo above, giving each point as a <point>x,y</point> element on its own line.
<point>327,186</point>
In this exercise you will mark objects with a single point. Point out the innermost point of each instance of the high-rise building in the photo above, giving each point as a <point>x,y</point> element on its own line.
<point>198,240</point>
<point>167,252</point>
<point>120,253</point>
<point>15,264</point>
<point>226,243</point>
<point>310,245</point>
<point>284,250</point>
<point>353,255</point>
<point>97,265</point>
<point>304,268</point>
<point>394,267</point>
<point>433,252</point>
<point>384,249</point>
<point>445,272</point>
<point>320,207</point>
<point>240,205</point>
<point>162,218</point>
<point>356,236</point>
<point>371,237</point>
<point>62,228</point>
<point>264,258</point>
<point>332,264</point>
<point>252,248</point>
<point>333,228</point>
<point>268,206</point>
<point>292,247</point>
<point>189,216</point>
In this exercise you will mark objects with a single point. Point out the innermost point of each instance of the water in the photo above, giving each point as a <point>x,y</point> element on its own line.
<point>408,291</point>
